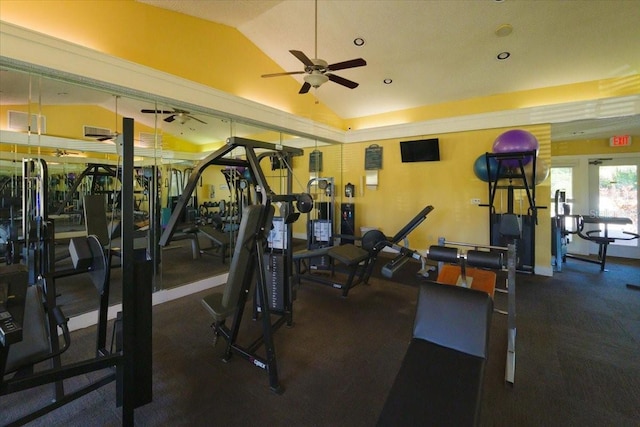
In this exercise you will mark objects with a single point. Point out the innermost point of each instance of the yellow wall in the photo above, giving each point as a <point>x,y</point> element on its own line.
<point>449,185</point>
<point>594,147</point>
<point>202,51</point>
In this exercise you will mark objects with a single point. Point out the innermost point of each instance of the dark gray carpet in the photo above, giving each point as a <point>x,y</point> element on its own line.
<point>577,359</point>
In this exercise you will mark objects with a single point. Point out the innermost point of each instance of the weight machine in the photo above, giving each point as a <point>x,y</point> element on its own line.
<point>560,233</point>
<point>250,263</point>
<point>516,179</point>
<point>320,220</point>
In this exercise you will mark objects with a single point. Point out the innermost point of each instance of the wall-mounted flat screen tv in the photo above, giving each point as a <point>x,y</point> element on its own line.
<point>423,150</point>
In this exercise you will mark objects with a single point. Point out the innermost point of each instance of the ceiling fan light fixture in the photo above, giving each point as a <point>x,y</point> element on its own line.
<point>316,79</point>
<point>182,118</point>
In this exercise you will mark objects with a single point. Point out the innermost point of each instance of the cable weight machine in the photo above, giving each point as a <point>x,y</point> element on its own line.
<point>320,228</point>
<point>510,179</point>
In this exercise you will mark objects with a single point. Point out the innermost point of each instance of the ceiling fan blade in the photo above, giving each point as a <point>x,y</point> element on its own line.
<point>302,57</point>
<point>342,81</point>
<point>101,136</point>
<point>170,118</point>
<point>198,120</point>
<point>156,111</point>
<point>359,62</point>
<point>305,88</point>
<point>283,74</point>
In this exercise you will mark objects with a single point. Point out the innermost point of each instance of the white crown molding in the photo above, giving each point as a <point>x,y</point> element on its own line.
<point>557,113</point>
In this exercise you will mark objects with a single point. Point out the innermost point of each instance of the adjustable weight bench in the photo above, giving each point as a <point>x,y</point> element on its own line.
<point>461,274</point>
<point>219,239</point>
<point>189,233</point>
<point>349,255</point>
<point>358,260</point>
<point>440,378</point>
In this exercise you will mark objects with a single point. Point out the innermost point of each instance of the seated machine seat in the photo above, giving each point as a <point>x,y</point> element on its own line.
<point>358,260</point>
<point>348,254</point>
<point>217,308</point>
<point>310,253</point>
<point>35,338</point>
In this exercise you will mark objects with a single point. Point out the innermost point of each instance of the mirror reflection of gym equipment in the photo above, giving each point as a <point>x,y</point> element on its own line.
<point>30,315</point>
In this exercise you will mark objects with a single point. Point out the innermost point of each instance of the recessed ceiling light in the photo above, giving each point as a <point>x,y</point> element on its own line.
<point>387,81</point>
<point>359,41</point>
<point>503,55</point>
<point>504,30</point>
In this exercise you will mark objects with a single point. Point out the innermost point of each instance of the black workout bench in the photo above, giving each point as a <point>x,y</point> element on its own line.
<point>356,259</point>
<point>440,379</point>
<point>220,240</point>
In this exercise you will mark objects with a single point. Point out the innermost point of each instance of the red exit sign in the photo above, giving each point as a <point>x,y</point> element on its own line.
<point>620,141</point>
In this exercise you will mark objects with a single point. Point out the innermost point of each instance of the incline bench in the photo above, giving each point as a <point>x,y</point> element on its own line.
<point>440,379</point>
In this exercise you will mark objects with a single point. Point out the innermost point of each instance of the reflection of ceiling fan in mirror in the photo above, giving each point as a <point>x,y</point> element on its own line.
<point>102,137</point>
<point>319,71</point>
<point>181,116</point>
<point>104,134</point>
<point>65,153</point>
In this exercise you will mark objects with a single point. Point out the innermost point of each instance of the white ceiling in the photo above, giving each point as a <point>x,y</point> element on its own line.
<point>436,51</point>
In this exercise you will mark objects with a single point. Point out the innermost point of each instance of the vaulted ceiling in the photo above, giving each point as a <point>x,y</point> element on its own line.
<point>436,51</point>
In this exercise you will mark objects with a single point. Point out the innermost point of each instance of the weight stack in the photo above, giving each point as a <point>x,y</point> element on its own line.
<point>275,275</point>
<point>347,222</point>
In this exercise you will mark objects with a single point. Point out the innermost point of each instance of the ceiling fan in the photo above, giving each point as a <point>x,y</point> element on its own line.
<point>182,116</point>
<point>319,71</point>
<point>64,153</point>
<point>102,137</point>
<point>107,136</point>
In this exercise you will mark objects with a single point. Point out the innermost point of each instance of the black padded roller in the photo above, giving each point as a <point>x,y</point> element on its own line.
<point>484,259</point>
<point>443,253</point>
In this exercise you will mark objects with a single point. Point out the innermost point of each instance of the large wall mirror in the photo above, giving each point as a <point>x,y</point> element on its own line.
<point>69,131</point>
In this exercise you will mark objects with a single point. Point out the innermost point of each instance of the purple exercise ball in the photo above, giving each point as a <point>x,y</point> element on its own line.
<point>515,141</point>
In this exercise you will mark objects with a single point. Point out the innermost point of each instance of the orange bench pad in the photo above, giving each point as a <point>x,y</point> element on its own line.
<point>483,280</point>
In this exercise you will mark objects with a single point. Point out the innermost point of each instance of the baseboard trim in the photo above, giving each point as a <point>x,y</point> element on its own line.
<point>91,318</point>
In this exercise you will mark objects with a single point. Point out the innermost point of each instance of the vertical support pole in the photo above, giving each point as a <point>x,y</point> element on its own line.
<point>510,367</point>
<point>128,291</point>
<point>441,242</point>
<point>135,377</point>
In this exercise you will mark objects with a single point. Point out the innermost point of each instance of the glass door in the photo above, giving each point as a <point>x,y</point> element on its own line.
<point>613,188</point>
